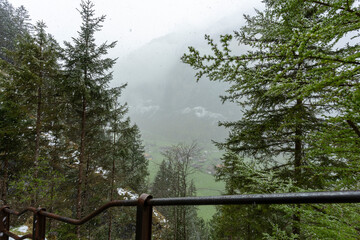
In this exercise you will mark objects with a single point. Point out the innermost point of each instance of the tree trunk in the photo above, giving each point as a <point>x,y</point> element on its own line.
<point>81,166</point>
<point>5,180</point>
<point>184,221</point>
<point>37,146</point>
<point>297,165</point>
<point>175,222</point>
<point>86,184</point>
<point>112,188</point>
<point>183,208</point>
<point>51,205</point>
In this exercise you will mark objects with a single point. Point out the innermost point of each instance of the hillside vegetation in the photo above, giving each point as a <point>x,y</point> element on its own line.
<point>272,107</point>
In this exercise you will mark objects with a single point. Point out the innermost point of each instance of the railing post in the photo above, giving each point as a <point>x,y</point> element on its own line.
<point>39,225</point>
<point>4,223</point>
<point>143,218</point>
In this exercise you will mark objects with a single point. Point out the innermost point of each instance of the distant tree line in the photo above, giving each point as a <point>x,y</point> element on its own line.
<point>173,179</point>
<point>65,140</point>
<point>297,83</point>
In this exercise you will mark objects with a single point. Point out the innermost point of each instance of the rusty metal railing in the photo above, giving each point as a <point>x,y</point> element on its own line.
<point>145,204</point>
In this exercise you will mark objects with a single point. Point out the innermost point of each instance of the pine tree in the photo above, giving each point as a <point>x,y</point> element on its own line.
<point>115,126</point>
<point>87,84</point>
<point>63,126</point>
<point>13,24</point>
<point>124,161</point>
<point>31,79</point>
<point>12,122</point>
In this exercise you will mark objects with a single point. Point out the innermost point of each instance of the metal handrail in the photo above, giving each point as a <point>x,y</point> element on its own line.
<point>274,198</point>
<point>118,203</point>
<point>145,203</point>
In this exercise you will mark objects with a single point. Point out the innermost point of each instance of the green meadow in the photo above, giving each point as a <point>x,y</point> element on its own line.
<point>203,172</point>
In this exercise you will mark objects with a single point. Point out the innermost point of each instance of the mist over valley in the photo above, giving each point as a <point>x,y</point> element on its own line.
<point>164,98</point>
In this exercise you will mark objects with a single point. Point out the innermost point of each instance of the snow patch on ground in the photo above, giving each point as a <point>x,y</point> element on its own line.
<point>50,137</point>
<point>21,229</point>
<point>102,171</point>
<point>128,195</point>
<point>160,217</point>
<point>75,155</point>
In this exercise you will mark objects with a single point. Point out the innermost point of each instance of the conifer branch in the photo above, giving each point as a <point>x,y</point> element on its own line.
<point>354,127</point>
<point>348,9</point>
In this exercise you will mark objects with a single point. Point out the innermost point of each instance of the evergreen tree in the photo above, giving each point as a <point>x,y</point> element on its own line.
<point>31,80</point>
<point>63,126</point>
<point>107,149</point>
<point>173,180</point>
<point>275,125</point>
<point>13,23</point>
<point>125,159</point>
<point>335,80</point>
<point>162,181</point>
<point>115,126</point>
<point>12,123</point>
<point>134,164</point>
<point>87,84</point>
<point>274,83</point>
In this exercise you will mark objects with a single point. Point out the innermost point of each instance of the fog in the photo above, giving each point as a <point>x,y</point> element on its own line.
<point>163,96</point>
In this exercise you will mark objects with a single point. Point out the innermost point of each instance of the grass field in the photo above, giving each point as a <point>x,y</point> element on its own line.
<point>205,183</point>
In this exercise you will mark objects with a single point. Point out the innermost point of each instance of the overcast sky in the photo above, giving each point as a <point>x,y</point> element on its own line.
<point>152,35</point>
<point>134,22</point>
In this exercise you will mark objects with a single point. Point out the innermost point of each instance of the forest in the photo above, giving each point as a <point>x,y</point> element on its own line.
<point>68,144</point>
